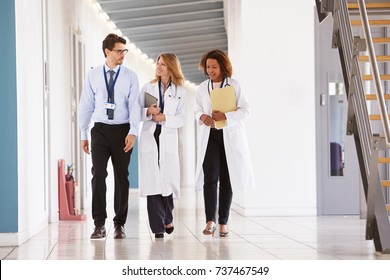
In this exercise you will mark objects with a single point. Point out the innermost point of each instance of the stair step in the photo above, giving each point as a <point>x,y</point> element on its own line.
<point>355,6</point>
<point>376,117</point>
<point>385,183</point>
<point>373,22</point>
<point>383,160</point>
<point>369,77</point>
<point>373,97</point>
<point>380,40</point>
<point>379,58</point>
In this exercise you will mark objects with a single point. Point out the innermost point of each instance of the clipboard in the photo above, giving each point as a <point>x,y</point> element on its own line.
<point>223,100</point>
<point>149,100</point>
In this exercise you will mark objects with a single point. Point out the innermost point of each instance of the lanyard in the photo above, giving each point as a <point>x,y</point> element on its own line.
<point>110,90</point>
<point>161,95</point>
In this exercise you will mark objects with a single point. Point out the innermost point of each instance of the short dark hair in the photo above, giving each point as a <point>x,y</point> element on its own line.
<point>223,61</point>
<point>110,41</point>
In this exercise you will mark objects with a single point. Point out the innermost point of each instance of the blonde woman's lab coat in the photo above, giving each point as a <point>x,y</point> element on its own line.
<point>161,177</point>
<point>234,137</point>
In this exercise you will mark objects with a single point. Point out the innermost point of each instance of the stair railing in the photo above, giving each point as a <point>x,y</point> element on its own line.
<point>358,120</point>
<point>375,71</point>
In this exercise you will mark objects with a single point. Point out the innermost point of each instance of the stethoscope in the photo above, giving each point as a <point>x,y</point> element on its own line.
<point>171,94</point>
<point>210,82</point>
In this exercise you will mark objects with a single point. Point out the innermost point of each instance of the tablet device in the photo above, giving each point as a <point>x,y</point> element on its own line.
<point>149,100</point>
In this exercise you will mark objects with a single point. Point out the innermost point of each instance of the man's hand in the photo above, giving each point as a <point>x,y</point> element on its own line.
<point>129,142</point>
<point>85,146</point>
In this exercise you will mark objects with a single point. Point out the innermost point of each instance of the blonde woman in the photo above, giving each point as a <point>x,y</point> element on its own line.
<point>159,169</point>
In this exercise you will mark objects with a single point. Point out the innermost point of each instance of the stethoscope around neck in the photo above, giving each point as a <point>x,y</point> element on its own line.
<point>210,83</point>
<point>162,96</point>
<point>170,88</point>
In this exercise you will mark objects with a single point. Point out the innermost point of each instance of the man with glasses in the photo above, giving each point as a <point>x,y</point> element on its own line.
<point>110,100</point>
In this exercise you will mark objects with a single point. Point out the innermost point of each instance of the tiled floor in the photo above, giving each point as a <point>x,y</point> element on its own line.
<point>251,238</point>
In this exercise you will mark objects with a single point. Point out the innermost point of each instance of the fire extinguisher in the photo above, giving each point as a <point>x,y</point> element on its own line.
<point>70,189</point>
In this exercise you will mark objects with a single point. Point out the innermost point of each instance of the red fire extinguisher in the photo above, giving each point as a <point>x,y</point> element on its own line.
<point>70,189</point>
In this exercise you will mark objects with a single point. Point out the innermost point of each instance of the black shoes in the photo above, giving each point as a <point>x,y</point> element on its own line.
<point>169,230</point>
<point>99,232</point>
<point>119,232</point>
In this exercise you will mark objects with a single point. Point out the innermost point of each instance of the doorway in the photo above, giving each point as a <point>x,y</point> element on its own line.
<point>338,174</point>
<point>78,158</point>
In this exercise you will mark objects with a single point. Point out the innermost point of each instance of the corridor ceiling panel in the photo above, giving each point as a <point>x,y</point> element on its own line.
<point>186,28</point>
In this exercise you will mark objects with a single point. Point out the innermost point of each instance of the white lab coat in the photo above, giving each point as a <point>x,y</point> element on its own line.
<point>161,177</point>
<point>234,137</point>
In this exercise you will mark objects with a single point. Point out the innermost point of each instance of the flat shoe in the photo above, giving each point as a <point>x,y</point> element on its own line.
<point>169,230</point>
<point>159,235</point>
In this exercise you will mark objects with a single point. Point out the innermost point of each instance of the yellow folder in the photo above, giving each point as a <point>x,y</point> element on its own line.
<point>223,100</point>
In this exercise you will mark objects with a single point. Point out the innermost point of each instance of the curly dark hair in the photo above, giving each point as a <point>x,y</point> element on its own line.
<point>223,61</point>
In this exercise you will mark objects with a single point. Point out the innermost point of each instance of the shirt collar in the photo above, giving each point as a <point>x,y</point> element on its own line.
<point>161,84</point>
<point>106,68</point>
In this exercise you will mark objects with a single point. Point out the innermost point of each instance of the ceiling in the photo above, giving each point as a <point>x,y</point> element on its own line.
<point>187,28</point>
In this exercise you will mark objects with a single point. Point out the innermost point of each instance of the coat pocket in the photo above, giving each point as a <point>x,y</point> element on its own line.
<point>147,143</point>
<point>170,105</point>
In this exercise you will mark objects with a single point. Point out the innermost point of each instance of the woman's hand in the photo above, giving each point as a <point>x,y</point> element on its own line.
<point>207,120</point>
<point>153,110</point>
<point>218,116</point>
<point>158,117</point>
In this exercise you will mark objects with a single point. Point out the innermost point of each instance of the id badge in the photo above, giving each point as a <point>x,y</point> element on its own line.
<point>109,105</point>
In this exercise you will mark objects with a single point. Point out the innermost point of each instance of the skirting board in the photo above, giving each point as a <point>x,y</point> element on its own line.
<point>18,238</point>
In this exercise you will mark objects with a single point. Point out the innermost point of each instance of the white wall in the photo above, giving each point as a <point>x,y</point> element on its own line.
<point>271,45</point>
<point>32,206</point>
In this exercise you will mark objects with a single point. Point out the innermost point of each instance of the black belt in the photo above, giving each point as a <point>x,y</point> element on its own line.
<point>99,124</point>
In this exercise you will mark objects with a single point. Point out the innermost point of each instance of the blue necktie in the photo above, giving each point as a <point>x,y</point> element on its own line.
<point>110,112</point>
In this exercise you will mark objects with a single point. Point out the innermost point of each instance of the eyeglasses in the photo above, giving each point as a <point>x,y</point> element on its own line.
<point>121,51</point>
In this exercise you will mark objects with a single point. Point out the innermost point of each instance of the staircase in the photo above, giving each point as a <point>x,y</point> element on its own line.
<point>361,35</point>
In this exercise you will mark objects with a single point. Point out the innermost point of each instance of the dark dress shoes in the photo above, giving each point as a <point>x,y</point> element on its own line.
<point>99,232</point>
<point>119,232</point>
<point>159,235</point>
<point>169,230</point>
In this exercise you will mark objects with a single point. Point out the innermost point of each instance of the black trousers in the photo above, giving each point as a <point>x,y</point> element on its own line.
<point>159,212</point>
<point>108,141</point>
<point>159,207</point>
<point>215,169</point>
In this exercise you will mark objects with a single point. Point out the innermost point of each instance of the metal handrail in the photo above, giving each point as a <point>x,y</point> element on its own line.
<point>375,71</point>
<point>368,144</point>
<point>358,99</point>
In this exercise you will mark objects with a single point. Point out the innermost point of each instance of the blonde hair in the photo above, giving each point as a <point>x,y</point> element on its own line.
<point>174,68</point>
